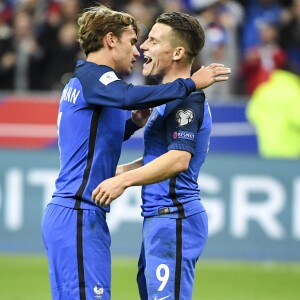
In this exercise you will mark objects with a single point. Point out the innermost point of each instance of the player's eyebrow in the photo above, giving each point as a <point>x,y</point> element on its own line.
<point>151,38</point>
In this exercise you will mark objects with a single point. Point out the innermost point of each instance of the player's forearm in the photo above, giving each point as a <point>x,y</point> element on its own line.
<point>143,96</point>
<point>130,166</point>
<point>162,168</point>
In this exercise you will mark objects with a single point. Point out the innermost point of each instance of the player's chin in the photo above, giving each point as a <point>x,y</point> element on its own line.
<point>146,72</point>
<point>127,71</point>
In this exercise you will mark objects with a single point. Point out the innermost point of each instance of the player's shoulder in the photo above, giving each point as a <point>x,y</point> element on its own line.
<point>198,96</point>
<point>93,72</point>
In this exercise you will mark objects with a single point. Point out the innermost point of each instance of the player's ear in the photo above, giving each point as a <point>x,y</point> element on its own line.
<point>178,53</point>
<point>110,39</point>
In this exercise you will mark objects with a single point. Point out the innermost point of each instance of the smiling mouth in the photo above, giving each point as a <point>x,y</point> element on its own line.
<point>148,59</point>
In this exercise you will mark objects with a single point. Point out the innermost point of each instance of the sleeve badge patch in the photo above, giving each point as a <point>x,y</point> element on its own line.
<point>184,116</point>
<point>108,78</point>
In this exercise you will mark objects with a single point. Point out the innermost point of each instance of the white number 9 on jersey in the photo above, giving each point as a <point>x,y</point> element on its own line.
<point>162,274</point>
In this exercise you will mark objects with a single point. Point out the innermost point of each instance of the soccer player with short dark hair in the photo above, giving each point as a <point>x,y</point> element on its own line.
<point>176,141</point>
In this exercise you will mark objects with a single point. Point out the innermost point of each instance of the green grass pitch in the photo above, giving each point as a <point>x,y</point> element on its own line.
<point>26,278</point>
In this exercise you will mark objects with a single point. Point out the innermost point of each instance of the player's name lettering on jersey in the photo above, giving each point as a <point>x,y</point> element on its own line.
<point>70,94</point>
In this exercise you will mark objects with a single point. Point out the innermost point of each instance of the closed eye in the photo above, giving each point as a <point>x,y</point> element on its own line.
<point>152,40</point>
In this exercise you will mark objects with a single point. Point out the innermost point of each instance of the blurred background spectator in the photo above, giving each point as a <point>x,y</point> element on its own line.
<point>21,55</point>
<point>289,35</point>
<point>221,21</point>
<point>274,110</point>
<point>261,60</point>
<point>38,47</point>
<point>258,11</point>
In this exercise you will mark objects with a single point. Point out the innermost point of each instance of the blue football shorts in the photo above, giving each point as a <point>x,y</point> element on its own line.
<point>170,250</point>
<point>77,244</point>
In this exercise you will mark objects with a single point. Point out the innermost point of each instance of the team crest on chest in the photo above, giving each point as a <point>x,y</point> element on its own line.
<point>184,116</point>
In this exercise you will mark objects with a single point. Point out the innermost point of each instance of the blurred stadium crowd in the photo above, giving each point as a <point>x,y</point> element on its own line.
<point>38,47</point>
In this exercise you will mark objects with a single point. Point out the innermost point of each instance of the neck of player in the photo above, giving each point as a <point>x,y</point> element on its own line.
<point>176,73</point>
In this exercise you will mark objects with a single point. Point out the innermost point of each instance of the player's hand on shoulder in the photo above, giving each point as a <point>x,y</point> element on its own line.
<point>206,76</point>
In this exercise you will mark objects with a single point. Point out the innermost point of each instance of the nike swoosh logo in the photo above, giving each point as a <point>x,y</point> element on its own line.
<point>162,298</point>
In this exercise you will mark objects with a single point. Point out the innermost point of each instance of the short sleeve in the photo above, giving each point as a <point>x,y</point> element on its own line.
<point>183,122</point>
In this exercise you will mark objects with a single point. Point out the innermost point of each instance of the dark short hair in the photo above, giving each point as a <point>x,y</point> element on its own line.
<point>97,21</point>
<point>188,32</point>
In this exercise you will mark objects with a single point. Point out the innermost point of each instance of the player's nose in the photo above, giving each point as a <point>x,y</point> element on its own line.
<point>144,46</point>
<point>136,53</point>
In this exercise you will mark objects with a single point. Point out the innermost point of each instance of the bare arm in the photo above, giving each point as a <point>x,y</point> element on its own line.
<point>162,168</point>
<point>130,166</point>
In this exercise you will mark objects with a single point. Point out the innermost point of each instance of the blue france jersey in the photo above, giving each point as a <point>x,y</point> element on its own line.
<point>91,126</point>
<point>179,125</point>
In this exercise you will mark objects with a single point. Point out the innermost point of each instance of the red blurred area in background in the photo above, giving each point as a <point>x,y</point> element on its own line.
<point>28,122</point>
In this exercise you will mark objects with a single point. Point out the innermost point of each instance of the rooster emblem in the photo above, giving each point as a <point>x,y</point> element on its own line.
<point>98,291</point>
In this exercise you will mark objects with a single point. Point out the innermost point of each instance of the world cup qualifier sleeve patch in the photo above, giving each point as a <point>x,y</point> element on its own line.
<point>184,116</point>
<point>182,126</point>
<point>108,78</point>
